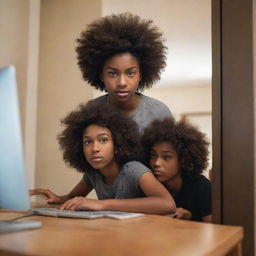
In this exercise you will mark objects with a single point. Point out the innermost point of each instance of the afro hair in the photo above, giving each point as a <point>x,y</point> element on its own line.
<point>124,132</point>
<point>190,144</point>
<point>121,33</point>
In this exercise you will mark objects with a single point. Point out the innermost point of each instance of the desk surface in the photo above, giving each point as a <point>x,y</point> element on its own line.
<point>146,235</point>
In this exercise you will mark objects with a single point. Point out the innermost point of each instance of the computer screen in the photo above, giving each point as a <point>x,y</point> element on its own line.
<point>13,186</point>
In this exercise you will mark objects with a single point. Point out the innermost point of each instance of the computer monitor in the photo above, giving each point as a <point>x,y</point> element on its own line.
<point>13,186</point>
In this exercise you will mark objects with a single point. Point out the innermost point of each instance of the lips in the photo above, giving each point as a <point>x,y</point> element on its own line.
<point>157,173</point>
<point>96,158</point>
<point>122,93</point>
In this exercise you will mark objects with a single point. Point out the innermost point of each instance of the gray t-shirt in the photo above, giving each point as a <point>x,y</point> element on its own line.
<point>148,110</point>
<point>125,186</point>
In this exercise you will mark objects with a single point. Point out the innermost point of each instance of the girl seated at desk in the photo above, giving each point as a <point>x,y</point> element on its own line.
<point>104,144</point>
<point>177,154</point>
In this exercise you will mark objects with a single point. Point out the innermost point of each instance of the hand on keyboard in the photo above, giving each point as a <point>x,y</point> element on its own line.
<point>51,198</point>
<point>82,203</point>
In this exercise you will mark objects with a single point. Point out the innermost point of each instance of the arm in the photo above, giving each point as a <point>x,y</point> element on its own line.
<point>157,200</point>
<point>81,189</point>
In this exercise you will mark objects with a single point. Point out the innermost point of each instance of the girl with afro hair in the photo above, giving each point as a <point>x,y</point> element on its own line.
<point>177,153</point>
<point>104,144</point>
<point>123,55</point>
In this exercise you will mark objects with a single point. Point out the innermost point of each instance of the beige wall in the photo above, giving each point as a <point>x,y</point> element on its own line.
<point>184,99</point>
<point>14,18</point>
<point>61,87</point>
<point>19,47</point>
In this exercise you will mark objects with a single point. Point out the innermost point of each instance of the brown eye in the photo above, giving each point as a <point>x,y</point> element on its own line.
<point>168,157</point>
<point>103,140</point>
<point>131,73</point>
<point>87,142</point>
<point>152,156</point>
<point>112,74</point>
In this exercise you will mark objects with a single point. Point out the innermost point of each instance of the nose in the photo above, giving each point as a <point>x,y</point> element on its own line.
<point>95,147</point>
<point>157,162</point>
<point>122,81</point>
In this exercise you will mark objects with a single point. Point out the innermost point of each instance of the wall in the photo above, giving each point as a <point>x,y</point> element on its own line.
<point>184,99</point>
<point>19,24</point>
<point>14,18</point>
<point>61,87</point>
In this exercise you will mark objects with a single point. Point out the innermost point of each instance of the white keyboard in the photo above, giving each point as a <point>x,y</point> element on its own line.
<point>84,214</point>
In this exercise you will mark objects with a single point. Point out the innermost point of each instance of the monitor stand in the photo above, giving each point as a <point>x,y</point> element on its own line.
<point>7,226</point>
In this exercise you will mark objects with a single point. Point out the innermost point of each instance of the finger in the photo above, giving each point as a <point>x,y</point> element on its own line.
<point>51,201</point>
<point>68,204</point>
<point>45,192</point>
<point>180,216</point>
<point>77,204</point>
<point>174,215</point>
<point>74,207</point>
<point>34,192</point>
<point>63,206</point>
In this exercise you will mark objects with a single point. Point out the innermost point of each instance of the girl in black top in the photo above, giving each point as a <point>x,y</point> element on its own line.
<point>177,154</point>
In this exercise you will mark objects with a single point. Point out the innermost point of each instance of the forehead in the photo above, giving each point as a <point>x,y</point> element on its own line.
<point>163,146</point>
<point>95,130</point>
<point>122,60</point>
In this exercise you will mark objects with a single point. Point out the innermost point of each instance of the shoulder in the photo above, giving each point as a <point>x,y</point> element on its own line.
<point>203,180</point>
<point>153,102</point>
<point>134,169</point>
<point>199,184</point>
<point>135,166</point>
<point>155,106</point>
<point>202,185</point>
<point>102,98</point>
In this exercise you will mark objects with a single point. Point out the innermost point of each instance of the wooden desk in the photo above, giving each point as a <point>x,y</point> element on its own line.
<point>148,235</point>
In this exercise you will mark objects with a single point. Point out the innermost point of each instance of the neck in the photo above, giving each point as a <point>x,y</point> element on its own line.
<point>110,172</point>
<point>129,106</point>
<point>174,185</point>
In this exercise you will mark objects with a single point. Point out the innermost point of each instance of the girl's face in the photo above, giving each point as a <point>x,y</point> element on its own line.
<point>121,76</point>
<point>98,147</point>
<point>164,162</point>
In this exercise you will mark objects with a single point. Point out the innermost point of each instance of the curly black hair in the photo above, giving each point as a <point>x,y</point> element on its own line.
<point>121,33</point>
<point>190,144</point>
<point>124,132</point>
